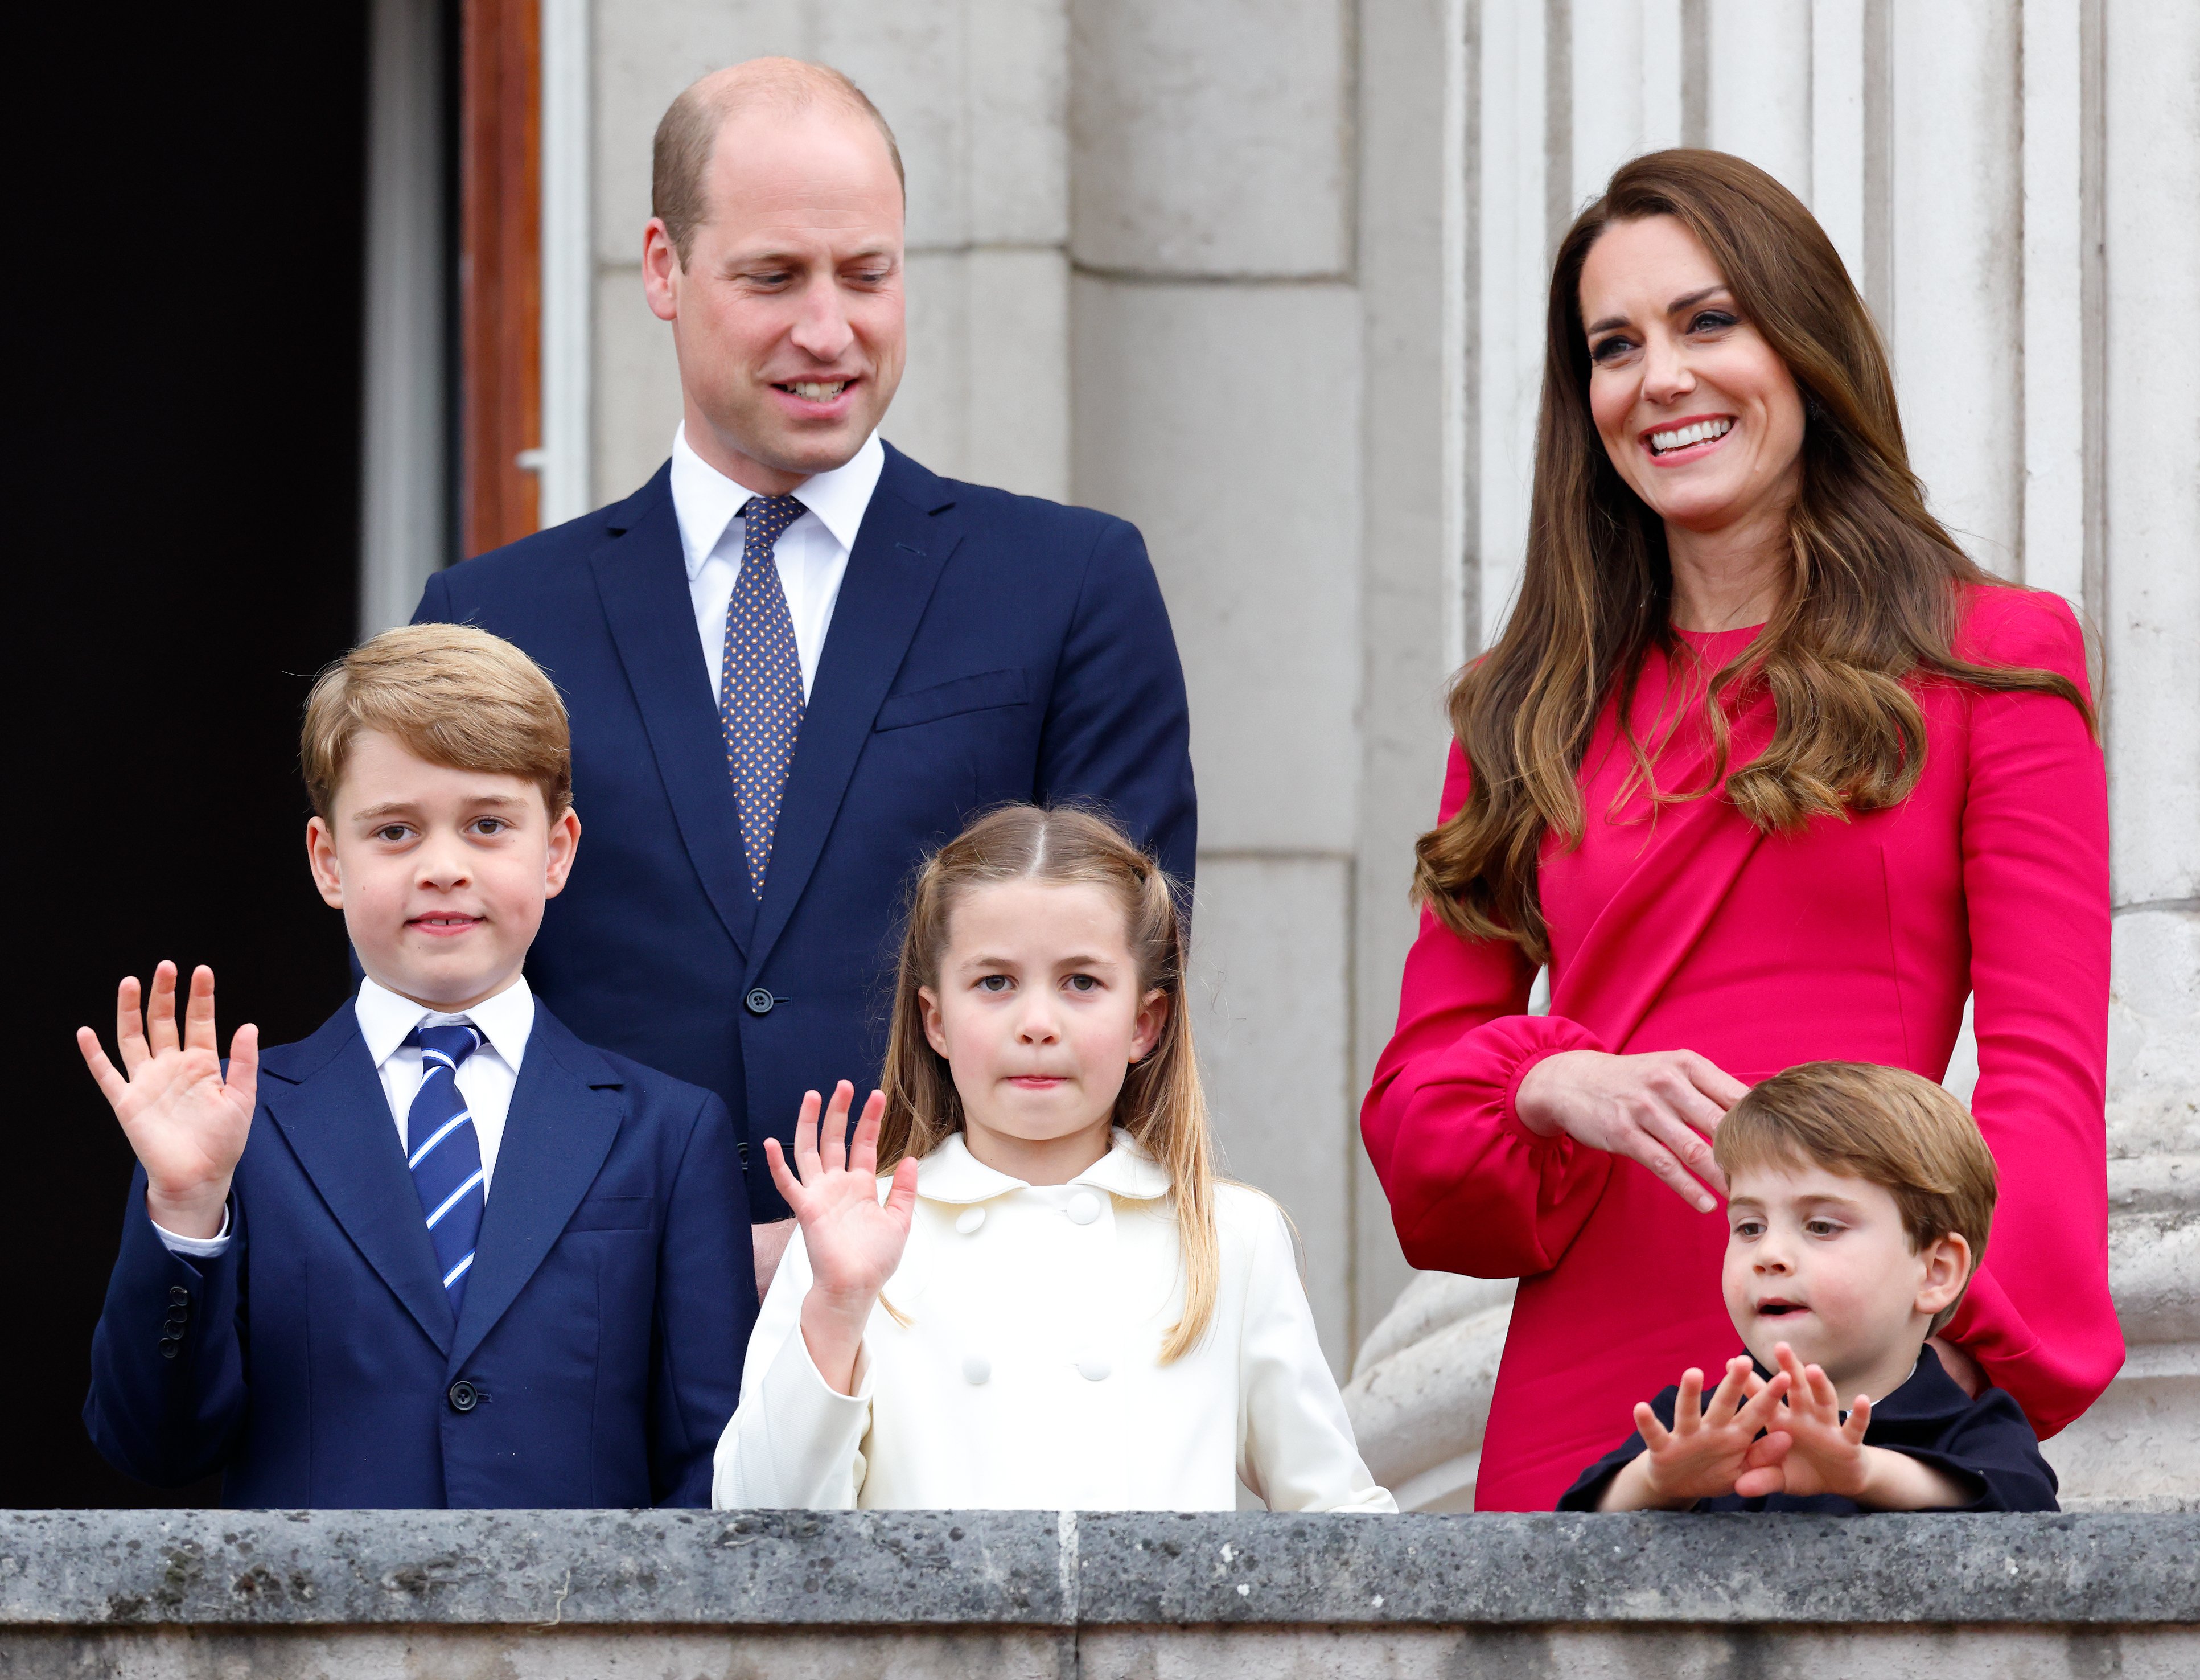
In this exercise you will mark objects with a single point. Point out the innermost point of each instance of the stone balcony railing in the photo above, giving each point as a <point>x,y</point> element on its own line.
<point>766,1594</point>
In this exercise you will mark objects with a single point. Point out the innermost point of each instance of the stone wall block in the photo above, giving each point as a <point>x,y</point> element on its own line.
<point>986,395</point>
<point>636,386</point>
<point>1272,1019</point>
<point>1210,137</point>
<point>1224,421</point>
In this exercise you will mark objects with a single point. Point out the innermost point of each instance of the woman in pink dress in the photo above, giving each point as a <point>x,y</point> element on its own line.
<point>1767,771</point>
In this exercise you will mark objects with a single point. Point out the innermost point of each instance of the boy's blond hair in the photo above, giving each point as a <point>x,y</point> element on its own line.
<point>453,694</point>
<point>1886,1125</point>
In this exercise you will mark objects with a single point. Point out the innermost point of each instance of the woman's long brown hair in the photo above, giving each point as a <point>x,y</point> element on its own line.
<point>1871,604</point>
<point>1161,1105</point>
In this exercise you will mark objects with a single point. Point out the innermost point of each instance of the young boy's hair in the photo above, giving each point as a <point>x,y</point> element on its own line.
<point>453,695</point>
<point>1886,1125</point>
<point>1161,1104</point>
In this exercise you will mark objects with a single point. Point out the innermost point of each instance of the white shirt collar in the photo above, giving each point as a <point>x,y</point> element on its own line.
<point>951,1173</point>
<point>385,1019</point>
<point>705,501</point>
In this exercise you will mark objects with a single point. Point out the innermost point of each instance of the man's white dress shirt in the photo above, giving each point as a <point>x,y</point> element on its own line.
<point>812,553</point>
<point>486,1079</point>
<point>1027,1374</point>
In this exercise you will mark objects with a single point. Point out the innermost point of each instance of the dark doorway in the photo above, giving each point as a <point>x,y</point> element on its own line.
<point>189,436</point>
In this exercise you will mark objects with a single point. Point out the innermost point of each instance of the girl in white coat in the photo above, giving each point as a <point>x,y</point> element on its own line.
<point>1049,1301</point>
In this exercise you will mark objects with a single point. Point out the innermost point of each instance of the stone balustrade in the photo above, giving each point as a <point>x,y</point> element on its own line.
<point>771,1595</point>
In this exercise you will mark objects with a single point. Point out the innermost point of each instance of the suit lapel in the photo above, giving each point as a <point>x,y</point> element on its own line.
<point>900,550</point>
<point>325,1098</point>
<point>642,579</point>
<point>565,1112</point>
<point>1648,926</point>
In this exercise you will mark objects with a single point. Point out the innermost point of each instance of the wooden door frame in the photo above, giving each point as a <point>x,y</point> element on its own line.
<point>500,271</point>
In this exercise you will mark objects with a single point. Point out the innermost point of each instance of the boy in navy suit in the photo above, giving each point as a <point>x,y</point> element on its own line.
<point>441,1253</point>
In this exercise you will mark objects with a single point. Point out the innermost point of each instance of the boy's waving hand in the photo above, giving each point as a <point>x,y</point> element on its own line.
<point>186,1122</point>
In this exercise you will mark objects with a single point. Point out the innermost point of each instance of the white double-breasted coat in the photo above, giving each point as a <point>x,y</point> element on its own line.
<point>1028,1375</point>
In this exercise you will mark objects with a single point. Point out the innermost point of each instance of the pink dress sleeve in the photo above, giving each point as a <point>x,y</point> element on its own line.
<point>1472,1190</point>
<point>2035,840</point>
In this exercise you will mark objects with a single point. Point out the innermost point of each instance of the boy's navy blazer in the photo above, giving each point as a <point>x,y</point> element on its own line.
<point>984,647</point>
<point>316,1361</point>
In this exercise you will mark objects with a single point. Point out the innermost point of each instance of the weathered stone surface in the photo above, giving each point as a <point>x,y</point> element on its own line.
<point>1007,1570</point>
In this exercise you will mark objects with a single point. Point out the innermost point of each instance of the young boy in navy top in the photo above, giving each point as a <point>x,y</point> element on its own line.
<point>441,1253</point>
<point>1859,1199</point>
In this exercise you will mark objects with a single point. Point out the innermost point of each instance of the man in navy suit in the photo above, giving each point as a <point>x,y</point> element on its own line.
<point>795,659</point>
<point>442,1253</point>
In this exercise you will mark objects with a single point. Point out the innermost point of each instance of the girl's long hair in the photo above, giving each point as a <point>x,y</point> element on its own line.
<point>1161,1104</point>
<point>1874,593</point>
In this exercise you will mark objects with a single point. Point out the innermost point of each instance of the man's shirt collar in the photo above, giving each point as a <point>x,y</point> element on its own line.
<point>505,1020</point>
<point>705,501</point>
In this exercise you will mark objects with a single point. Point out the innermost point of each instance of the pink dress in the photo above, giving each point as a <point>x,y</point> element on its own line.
<point>1857,940</point>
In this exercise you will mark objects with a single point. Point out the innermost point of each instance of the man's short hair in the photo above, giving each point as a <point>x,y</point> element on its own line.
<point>453,695</point>
<point>688,134</point>
<point>1884,1125</point>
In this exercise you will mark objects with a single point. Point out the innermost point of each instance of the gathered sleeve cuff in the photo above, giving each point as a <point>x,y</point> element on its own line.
<point>795,1442</point>
<point>1472,1189</point>
<point>1294,1443</point>
<point>2038,1315</point>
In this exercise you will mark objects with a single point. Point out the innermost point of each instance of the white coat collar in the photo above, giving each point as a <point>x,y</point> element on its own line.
<point>951,1173</point>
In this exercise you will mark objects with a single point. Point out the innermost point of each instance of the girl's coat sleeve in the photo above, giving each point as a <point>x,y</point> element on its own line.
<point>1472,1190</point>
<point>2035,859</point>
<point>794,1443</point>
<point>1295,1442</point>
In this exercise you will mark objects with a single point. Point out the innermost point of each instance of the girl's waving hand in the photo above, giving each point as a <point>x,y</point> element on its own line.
<point>854,1240</point>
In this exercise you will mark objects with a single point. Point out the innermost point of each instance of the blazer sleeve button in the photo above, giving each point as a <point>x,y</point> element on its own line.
<point>464,1396</point>
<point>759,1001</point>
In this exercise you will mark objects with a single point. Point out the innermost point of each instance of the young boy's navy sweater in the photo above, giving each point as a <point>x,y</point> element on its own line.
<point>1984,1445</point>
<point>316,1361</point>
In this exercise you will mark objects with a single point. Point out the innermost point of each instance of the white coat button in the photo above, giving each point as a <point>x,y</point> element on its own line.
<point>977,1370</point>
<point>1094,1369</point>
<point>1084,1208</point>
<point>970,1220</point>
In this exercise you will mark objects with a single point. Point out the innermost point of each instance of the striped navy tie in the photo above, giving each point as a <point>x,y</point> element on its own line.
<point>445,1155</point>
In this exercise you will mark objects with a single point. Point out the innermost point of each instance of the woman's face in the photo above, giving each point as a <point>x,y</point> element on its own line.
<point>1696,410</point>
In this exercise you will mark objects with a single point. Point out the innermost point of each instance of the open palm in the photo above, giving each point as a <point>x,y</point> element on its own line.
<point>1708,1447</point>
<point>184,1119</point>
<point>854,1241</point>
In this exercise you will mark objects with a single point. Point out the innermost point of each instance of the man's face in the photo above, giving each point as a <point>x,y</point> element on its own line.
<point>787,315</point>
<point>440,874</point>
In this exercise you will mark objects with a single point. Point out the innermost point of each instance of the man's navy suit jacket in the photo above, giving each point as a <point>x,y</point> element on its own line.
<point>316,1361</point>
<point>985,647</point>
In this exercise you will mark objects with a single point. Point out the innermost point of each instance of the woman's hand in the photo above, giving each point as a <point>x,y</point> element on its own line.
<point>1707,1448</point>
<point>184,1119</point>
<point>1660,1109</point>
<point>853,1241</point>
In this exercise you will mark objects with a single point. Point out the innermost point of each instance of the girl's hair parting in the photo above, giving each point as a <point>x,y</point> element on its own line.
<point>1161,1104</point>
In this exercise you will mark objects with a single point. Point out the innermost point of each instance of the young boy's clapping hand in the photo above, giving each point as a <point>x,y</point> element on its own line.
<point>1712,1449</point>
<point>1825,1451</point>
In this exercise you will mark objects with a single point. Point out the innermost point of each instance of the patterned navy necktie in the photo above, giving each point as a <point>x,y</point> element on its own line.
<point>444,1154</point>
<point>760,695</point>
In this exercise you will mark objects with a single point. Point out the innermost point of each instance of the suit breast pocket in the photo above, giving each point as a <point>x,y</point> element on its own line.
<point>612,1213</point>
<point>982,691</point>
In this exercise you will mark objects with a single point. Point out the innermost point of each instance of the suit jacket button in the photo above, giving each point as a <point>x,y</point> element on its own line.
<point>759,1001</point>
<point>465,1396</point>
<point>177,1292</point>
<point>168,1349</point>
